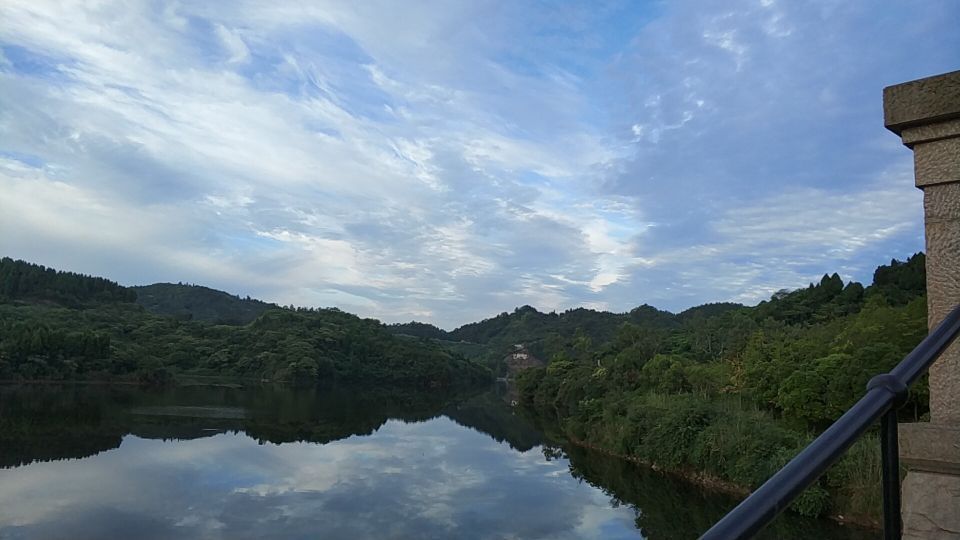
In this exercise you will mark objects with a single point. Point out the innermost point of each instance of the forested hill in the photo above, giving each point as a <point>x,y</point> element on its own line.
<point>731,393</point>
<point>550,334</point>
<point>526,324</point>
<point>199,303</point>
<point>60,325</point>
<point>25,282</point>
<point>543,334</point>
<point>418,329</point>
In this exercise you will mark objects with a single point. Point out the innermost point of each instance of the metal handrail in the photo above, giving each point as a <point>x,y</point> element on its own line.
<point>885,393</point>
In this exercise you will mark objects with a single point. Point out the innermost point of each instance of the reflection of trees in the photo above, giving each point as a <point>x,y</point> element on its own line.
<point>16,451</point>
<point>325,415</point>
<point>50,423</point>
<point>42,423</point>
<point>59,422</point>
<point>488,414</point>
<point>667,507</point>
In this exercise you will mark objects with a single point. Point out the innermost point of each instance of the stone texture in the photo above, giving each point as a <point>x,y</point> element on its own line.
<point>942,211</point>
<point>944,381</point>
<point>942,203</point>
<point>937,162</point>
<point>931,132</point>
<point>924,101</point>
<point>930,506</point>
<point>930,447</point>
<point>926,113</point>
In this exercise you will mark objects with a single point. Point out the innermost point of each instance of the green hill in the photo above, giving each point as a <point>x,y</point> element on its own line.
<point>21,281</point>
<point>418,329</point>
<point>198,303</point>
<point>549,334</point>
<point>63,326</point>
<point>730,392</point>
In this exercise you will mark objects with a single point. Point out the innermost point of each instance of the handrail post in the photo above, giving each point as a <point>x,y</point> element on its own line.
<point>890,453</point>
<point>890,456</point>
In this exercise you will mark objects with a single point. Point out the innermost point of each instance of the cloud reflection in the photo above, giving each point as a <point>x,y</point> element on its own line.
<point>431,479</point>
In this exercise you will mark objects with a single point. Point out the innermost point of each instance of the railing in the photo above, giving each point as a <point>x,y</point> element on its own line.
<point>885,393</point>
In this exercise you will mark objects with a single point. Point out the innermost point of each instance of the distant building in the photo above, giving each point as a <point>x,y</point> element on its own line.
<point>519,359</point>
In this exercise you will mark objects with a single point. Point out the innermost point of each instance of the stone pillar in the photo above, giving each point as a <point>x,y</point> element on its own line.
<point>926,115</point>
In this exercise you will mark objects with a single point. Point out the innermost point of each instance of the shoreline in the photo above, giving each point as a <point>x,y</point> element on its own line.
<point>92,382</point>
<point>717,485</point>
<point>182,382</point>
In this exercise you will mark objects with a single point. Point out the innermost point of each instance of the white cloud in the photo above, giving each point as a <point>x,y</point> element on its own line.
<point>233,43</point>
<point>786,241</point>
<point>369,155</point>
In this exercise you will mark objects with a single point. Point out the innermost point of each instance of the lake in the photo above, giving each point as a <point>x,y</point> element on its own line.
<point>82,461</point>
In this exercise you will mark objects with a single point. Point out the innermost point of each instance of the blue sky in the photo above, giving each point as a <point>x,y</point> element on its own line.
<point>445,161</point>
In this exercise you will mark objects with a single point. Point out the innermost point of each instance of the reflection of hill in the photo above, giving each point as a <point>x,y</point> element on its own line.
<point>41,423</point>
<point>16,451</point>
<point>330,415</point>
<point>488,414</point>
<point>176,432</point>
<point>49,423</point>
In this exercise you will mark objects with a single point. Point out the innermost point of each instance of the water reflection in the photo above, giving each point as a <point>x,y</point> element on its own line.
<point>229,463</point>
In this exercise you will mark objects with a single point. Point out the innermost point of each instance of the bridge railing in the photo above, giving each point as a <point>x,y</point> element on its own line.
<point>885,393</point>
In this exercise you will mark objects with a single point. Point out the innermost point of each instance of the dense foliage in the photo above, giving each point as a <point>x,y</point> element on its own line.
<point>25,282</point>
<point>543,334</point>
<point>97,333</point>
<point>418,329</point>
<point>734,392</point>
<point>198,303</point>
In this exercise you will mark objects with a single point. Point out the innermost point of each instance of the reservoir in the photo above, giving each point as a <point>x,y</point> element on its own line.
<point>87,461</point>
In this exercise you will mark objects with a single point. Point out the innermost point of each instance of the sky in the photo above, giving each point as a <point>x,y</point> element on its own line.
<point>447,161</point>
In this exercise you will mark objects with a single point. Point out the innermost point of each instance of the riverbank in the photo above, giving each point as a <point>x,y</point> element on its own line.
<point>841,504</point>
<point>185,380</point>
<point>717,442</point>
<point>717,485</point>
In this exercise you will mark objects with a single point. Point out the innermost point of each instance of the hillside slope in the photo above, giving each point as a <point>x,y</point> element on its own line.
<point>62,326</point>
<point>198,303</point>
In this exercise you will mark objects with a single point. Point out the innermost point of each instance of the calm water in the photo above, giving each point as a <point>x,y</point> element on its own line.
<point>210,462</point>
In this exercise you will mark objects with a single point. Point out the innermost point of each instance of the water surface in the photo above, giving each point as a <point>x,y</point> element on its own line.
<point>210,462</point>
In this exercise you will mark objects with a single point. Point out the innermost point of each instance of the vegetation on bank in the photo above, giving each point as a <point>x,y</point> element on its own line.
<point>65,326</point>
<point>734,392</point>
<point>719,390</point>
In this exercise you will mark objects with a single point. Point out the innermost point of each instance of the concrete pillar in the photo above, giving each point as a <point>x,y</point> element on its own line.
<point>926,115</point>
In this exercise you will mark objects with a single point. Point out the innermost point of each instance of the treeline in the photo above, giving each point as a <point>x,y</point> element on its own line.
<point>543,334</point>
<point>94,331</point>
<point>198,303</point>
<point>734,392</point>
<point>419,329</point>
<point>20,280</point>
